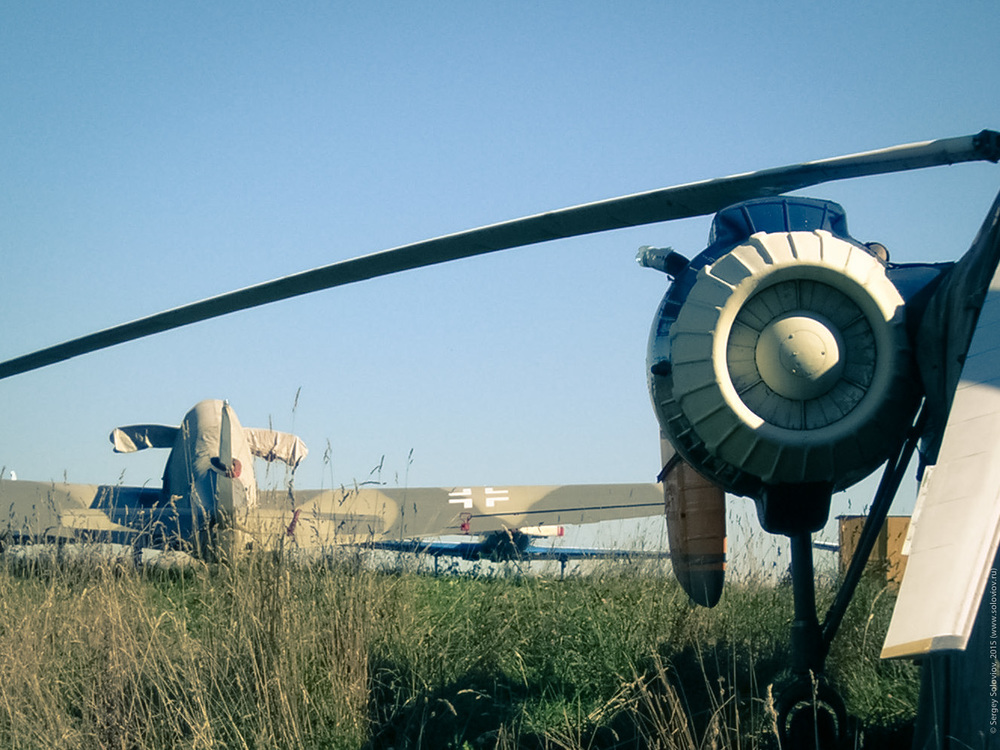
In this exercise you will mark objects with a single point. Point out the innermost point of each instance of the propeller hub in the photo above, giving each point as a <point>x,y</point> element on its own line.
<point>798,355</point>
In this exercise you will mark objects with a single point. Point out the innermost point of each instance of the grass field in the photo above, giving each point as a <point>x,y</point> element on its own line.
<point>274,654</point>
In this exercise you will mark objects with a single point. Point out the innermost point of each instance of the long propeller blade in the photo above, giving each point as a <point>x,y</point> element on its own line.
<point>953,541</point>
<point>948,324</point>
<point>666,204</point>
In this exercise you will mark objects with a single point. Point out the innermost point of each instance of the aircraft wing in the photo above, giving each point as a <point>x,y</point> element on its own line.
<point>539,552</point>
<point>483,549</point>
<point>321,517</point>
<point>48,511</point>
<point>468,550</point>
<point>956,524</point>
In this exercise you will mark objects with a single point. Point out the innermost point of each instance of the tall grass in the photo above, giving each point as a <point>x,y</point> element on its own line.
<point>335,654</point>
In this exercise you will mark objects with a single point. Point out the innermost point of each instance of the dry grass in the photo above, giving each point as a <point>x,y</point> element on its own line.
<point>271,654</point>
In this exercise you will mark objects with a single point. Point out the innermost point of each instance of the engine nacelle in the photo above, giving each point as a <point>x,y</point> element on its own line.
<point>780,356</point>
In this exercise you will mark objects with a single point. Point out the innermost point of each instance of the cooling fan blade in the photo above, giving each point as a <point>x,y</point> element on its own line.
<point>682,201</point>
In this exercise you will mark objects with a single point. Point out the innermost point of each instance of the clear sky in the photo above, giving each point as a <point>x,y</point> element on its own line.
<point>152,154</point>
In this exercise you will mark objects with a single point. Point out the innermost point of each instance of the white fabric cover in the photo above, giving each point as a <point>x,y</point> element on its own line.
<point>276,446</point>
<point>138,437</point>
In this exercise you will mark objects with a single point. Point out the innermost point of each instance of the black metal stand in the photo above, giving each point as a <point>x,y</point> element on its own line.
<point>808,652</point>
<point>810,712</point>
<point>892,476</point>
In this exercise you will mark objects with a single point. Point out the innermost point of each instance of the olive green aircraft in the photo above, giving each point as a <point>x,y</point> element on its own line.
<point>788,360</point>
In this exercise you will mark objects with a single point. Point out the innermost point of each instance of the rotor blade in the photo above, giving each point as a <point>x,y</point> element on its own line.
<point>955,529</point>
<point>666,204</point>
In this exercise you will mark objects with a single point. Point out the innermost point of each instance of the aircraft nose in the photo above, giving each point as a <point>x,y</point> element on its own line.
<point>232,471</point>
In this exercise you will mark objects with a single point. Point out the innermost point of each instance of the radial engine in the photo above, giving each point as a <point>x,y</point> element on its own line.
<point>779,358</point>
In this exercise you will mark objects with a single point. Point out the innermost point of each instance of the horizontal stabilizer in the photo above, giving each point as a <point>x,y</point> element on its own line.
<point>138,437</point>
<point>956,523</point>
<point>276,446</point>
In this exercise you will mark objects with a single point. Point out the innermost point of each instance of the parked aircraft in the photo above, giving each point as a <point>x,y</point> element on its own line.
<point>210,503</point>
<point>787,360</point>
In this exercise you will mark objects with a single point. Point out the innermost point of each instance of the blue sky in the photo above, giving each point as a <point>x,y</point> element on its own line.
<point>155,154</point>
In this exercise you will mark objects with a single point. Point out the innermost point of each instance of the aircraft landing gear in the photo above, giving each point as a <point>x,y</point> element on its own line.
<point>810,712</point>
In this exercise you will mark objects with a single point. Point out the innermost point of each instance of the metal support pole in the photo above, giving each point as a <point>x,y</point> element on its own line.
<point>808,652</point>
<point>892,476</point>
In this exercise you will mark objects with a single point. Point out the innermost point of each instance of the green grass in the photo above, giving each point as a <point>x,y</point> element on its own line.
<point>337,655</point>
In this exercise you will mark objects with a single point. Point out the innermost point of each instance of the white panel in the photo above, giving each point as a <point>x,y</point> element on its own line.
<point>957,518</point>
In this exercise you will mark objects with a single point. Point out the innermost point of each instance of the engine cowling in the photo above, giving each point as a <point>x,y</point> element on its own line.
<point>780,356</point>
